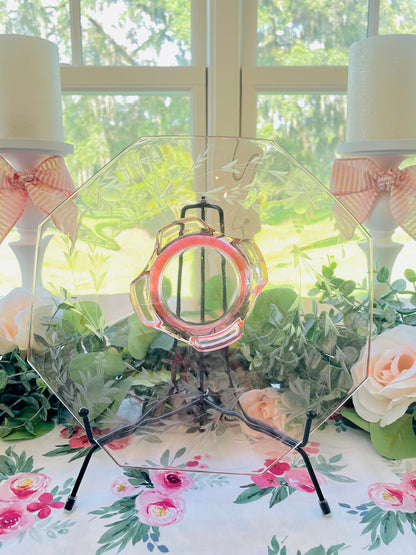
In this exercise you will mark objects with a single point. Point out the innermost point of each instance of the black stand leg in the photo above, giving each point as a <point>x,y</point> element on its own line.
<point>260,426</point>
<point>70,502</point>
<point>323,503</point>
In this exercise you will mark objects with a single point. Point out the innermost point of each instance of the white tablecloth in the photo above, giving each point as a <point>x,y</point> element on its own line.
<point>370,497</point>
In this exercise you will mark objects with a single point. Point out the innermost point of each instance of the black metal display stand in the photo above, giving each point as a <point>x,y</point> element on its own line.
<point>252,423</point>
<point>202,396</point>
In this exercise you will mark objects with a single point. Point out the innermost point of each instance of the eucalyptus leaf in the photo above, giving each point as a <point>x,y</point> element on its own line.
<point>399,285</point>
<point>383,274</point>
<point>282,297</point>
<point>4,378</point>
<point>410,275</point>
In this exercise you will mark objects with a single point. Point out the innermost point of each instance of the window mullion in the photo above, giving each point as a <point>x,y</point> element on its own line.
<point>224,60</point>
<point>373,17</point>
<point>248,60</point>
<point>76,33</point>
<point>131,79</point>
<point>199,59</point>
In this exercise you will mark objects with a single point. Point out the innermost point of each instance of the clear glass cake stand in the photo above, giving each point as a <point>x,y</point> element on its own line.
<point>198,306</point>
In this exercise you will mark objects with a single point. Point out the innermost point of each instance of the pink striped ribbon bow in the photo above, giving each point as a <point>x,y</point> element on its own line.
<point>47,185</point>
<point>358,181</point>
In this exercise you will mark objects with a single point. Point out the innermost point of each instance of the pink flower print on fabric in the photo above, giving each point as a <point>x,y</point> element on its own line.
<point>44,505</point>
<point>24,486</point>
<point>298,478</point>
<point>78,438</point>
<point>157,509</point>
<point>312,448</point>
<point>171,482</point>
<point>14,520</point>
<point>122,487</point>
<point>392,497</point>
<point>395,497</point>
<point>408,481</point>
<point>266,480</point>
<point>197,462</point>
<point>277,468</point>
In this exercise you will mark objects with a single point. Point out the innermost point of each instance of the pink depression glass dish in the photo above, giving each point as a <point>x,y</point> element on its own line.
<point>193,236</point>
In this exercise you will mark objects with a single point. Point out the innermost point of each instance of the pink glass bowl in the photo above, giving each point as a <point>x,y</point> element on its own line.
<point>193,234</point>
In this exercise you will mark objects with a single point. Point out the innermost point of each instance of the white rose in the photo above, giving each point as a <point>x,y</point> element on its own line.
<point>391,384</point>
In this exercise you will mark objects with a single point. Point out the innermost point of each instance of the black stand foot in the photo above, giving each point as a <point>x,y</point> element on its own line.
<point>70,502</point>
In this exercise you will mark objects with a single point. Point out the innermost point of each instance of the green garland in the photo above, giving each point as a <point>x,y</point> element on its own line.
<point>27,407</point>
<point>308,353</point>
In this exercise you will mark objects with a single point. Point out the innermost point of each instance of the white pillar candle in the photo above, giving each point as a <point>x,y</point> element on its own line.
<point>381,91</point>
<point>30,95</point>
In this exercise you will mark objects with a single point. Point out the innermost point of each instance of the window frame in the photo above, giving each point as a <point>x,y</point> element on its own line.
<point>224,79</point>
<point>82,79</point>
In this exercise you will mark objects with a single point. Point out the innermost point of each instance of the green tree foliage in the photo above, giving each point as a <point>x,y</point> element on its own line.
<point>158,32</point>
<point>124,32</point>
<point>315,32</point>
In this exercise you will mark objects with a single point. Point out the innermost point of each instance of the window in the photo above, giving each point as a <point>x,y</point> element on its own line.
<point>271,68</point>
<point>129,69</point>
<point>266,68</point>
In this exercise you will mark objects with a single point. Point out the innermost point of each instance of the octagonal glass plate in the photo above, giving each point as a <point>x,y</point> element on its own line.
<point>154,400</point>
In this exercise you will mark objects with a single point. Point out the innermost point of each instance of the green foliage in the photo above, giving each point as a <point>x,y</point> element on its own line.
<point>394,441</point>
<point>253,492</point>
<point>108,364</point>
<point>353,417</point>
<point>308,353</point>
<point>276,548</point>
<point>383,526</point>
<point>397,440</point>
<point>330,468</point>
<point>140,338</point>
<point>82,317</point>
<point>26,408</point>
<point>127,528</point>
<point>11,463</point>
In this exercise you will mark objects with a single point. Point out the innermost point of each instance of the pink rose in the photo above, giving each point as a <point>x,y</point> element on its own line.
<point>264,405</point>
<point>23,486</point>
<point>391,384</point>
<point>122,487</point>
<point>157,509</point>
<point>171,481</point>
<point>392,497</point>
<point>298,478</point>
<point>14,520</point>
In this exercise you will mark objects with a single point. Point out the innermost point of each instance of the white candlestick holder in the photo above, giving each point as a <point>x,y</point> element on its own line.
<point>27,225</point>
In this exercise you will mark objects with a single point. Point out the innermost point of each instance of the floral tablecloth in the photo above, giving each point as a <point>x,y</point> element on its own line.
<point>373,502</point>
